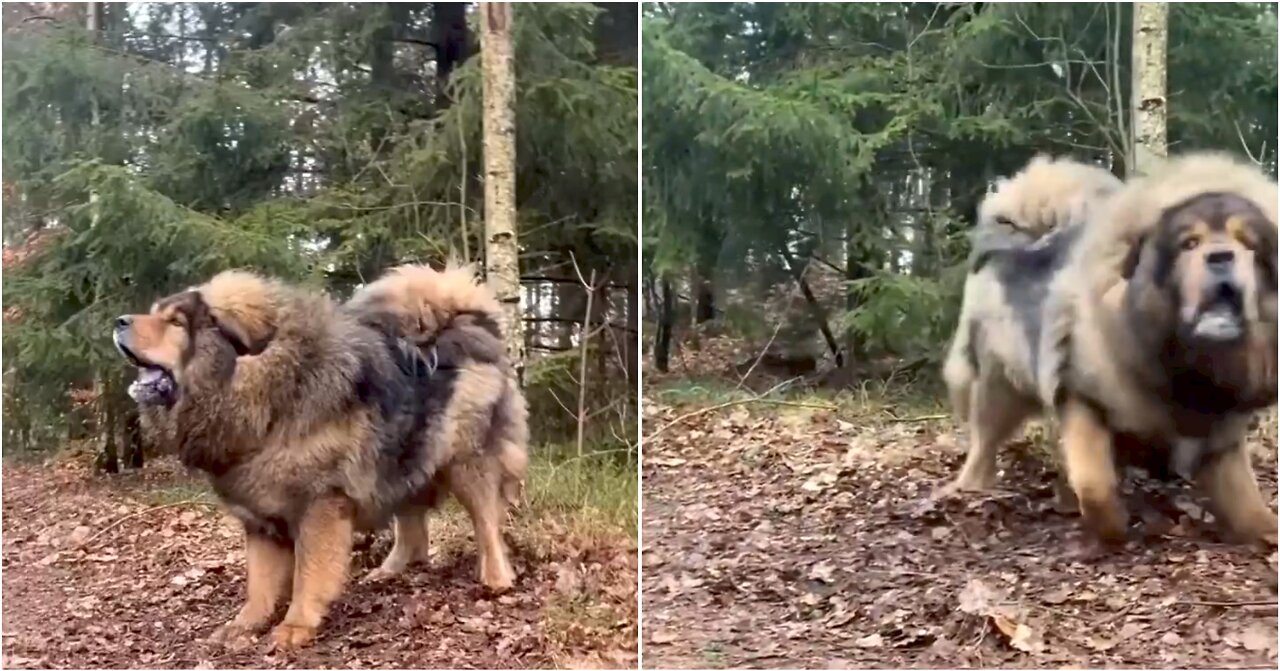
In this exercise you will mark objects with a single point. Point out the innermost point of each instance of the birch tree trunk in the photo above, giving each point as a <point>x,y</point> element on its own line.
<point>501,259</point>
<point>1150,84</point>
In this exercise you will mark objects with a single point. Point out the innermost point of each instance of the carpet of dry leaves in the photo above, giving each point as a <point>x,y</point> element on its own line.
<point>780,536</point>
<point>98,576</point>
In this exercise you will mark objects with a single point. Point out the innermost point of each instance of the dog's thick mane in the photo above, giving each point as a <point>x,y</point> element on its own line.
<point>292,331</point>
<point>1135,211</point>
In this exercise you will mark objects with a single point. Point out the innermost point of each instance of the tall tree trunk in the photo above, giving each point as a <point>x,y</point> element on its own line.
<point>1150,85</point>
<point>502,259</point>
<point>615,38</point>
<point>453,43</point>
<point>631,337</point>
<point>704,298</point>
<point>666,319</point>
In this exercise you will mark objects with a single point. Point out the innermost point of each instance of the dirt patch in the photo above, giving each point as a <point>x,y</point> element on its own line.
<point>106,573</point>
<point>776,539</point>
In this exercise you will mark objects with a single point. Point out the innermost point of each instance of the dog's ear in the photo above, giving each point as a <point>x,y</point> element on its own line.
<point>239,336</point>
<point>1131,259</point>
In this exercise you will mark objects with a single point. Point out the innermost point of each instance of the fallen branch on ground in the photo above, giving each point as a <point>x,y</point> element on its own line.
<point>922,418</point>
<point>1231,604</point>
<point>759,398</point>
<point>122,520</point>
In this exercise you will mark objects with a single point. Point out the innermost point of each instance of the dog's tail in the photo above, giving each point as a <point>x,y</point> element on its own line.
<point>452,317</point>
<point>426,301</point>
<point>1048,194</point>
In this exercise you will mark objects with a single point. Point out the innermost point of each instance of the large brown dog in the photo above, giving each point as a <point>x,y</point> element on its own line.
<point>1155,326</point>
<point>313,420</point>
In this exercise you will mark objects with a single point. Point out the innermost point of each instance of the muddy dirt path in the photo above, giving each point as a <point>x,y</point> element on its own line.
<point>81,593</point>
<point>778,537</point>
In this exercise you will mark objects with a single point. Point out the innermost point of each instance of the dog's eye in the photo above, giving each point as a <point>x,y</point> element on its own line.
<point>1190,242</point>
<point>1005,221</point>
<point>1246,241</point>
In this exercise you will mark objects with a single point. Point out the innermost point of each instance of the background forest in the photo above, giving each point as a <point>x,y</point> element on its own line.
<point>147,146</point>
<point>151,145</point>
<point>826,160</point>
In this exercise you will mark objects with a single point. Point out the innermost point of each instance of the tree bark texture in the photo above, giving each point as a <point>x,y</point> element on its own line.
<point>1150,85</point>
<point>502,260</point>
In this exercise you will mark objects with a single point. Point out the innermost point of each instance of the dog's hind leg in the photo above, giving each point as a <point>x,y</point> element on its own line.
<point>1091,470</point>
<point>476,484</point>
<point>997,412</point>
<point>410,545</point>
<point>270,567</point>
<point>323,549</point>
<point>1233,490</point>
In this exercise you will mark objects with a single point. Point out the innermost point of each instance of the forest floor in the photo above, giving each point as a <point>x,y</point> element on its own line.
<point>804,534</point>
<point>136,570</point>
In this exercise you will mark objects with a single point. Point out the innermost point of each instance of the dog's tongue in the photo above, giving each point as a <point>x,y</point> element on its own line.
<point>1219,324</point>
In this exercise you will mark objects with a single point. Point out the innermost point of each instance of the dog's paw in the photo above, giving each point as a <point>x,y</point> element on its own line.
<point>1107,518</point>
<point>379,574</point>
<point>291,636</point>
<point>232,636</point>
<point>498,578</point>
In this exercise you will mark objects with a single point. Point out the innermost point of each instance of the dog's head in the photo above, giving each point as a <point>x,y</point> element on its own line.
<point>1206,276</point>
<point>231,313</point>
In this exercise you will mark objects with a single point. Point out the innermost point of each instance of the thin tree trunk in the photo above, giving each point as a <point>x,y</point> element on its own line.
<point>815,308</point>
<point>1150,84</point>
<point>666,319</point>
<point>502,260</point>
<point>585,339</point>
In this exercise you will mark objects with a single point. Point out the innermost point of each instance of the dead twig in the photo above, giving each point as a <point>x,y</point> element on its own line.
<point>759,398</point>
<point>1232,604</point>
<point>122,520</point>
<point>922,418</point>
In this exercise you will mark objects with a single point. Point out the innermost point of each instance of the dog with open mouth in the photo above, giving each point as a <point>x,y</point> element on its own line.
<point>313,420</point>
<point>1152,325</point>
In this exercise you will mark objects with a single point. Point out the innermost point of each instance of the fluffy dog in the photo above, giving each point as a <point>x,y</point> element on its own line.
<point>1019,240</point>
<point>1153,324</point>
<point>313,420</point>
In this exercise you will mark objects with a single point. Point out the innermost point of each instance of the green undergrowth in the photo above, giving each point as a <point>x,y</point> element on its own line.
<point>890,399</point>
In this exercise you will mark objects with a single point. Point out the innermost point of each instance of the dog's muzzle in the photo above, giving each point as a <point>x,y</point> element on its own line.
<point>154,385</point>
<point>1220,319</point>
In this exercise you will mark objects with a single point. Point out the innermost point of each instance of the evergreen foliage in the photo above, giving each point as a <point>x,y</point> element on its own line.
<point>853,141</point>
<point>320,142</point>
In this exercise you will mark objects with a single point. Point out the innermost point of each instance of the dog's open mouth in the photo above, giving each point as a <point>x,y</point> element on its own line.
<point>1220,324</point>
<point>154,386</point>
<point>1222,321</point>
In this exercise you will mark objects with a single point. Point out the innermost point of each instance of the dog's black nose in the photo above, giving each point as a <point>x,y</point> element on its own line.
<point>1220,258</point>
<point>123,321</point>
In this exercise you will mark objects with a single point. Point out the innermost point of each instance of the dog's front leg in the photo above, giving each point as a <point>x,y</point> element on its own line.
<point>269,562</point>
<point>1091,470</point>
<point>323,555</point>
<point>1233,491</point>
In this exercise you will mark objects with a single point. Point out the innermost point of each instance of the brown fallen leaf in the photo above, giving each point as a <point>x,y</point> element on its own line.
<point>872,641</point>
<point>662,637</point>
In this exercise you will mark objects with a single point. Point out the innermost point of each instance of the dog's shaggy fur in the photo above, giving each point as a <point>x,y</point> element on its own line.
<point>1048,194</point>
<point>1029,211</point>
<point>313,420</point>
<point>1152,324</point>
